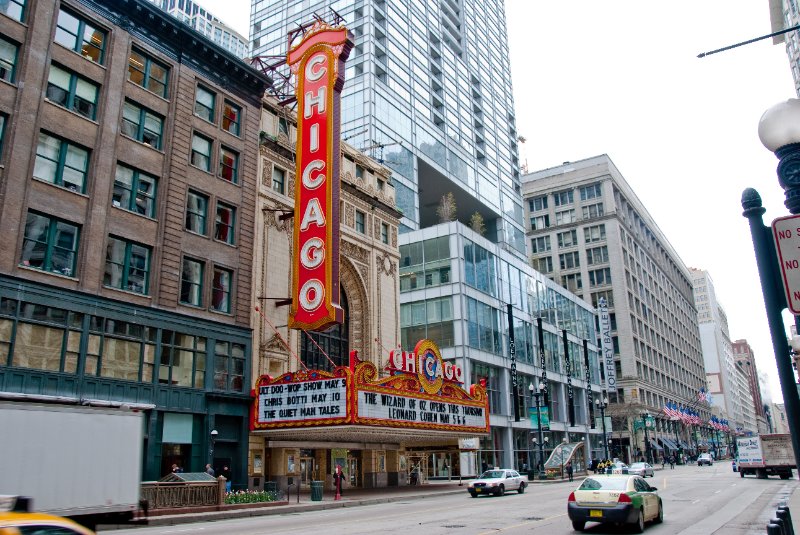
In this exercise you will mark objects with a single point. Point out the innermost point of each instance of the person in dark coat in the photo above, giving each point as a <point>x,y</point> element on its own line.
<point>569,470</point>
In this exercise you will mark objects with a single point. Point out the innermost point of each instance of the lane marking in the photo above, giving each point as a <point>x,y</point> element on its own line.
<point>695,502</point>
<point>523,524</point>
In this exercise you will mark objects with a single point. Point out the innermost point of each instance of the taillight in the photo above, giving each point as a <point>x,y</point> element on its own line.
<point>571,497</point>
<point>624,498</point>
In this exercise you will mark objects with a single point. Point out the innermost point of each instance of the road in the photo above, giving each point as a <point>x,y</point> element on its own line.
<point>697,501</point>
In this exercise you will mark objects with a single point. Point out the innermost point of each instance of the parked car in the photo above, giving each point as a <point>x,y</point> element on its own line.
<point>641,469</point>
<point>618,499</point>
<point>618,467</point>
<point>705,458</point>
<point>497,482</point>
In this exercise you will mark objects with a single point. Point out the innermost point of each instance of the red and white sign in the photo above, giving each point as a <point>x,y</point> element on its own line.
<point>318,64</point>
<point>786,231</point>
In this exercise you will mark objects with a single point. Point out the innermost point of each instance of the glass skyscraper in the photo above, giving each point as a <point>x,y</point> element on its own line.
<point>427,93</point>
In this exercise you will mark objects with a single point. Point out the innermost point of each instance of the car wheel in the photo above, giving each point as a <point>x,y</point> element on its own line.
<point>577,525</point>
<point>741,474</point>
<point>638,527</point>
<point>500,491</point>
<point>473,494</point>
<point>521,488</point>
<point>660,518</point>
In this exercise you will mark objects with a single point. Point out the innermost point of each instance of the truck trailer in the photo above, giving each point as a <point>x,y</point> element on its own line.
<point>766,455</point>
<point>77,461</point>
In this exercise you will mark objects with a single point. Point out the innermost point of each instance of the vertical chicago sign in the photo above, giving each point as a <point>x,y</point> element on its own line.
<point>318,64</point>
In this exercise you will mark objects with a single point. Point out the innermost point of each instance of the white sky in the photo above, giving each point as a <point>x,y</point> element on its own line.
<point>622,78</point>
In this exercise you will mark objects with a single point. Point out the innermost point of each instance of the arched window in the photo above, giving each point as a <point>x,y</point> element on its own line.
<point>335,342</point>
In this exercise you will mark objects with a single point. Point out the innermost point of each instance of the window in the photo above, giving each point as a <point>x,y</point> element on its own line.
<point>192,282</point>
<point>14,9</point>
<point>540,244</point>
<point>360,226</point>
<point>228,165</point>
<point>540,222</point>
<point>592,210</point>
<point>127,265</point>
<point>232,118</point>
<point>61,163</point>
<point>283,126</point>
<point>135,190</point>
<point>147,72</point>
<point>572,282</point>
<point>384,233</point>
<point>597,255</point>
<point>564,217</point>
<point>569,260</point>
<point>229,367</point>
<point>204,103</point>
<point>224,226</point>
<point>594,233</point>
<point>142,125</point>
<point>537,203</point>
<point>592,191</point>
<point>568,238</point>
<point>278,179</point>
<point>600,277</point>
<point>562,198</point>
<point>69,90</point>
<point>50,244</point>
<point>359,172</point>
<point>8,60</point>
<point>196,212</point>
<point>543,265</point>
<point>2,131</point>
<point>183,360</point>
<point>78,35</point>
<point>221,290</point>
<point>201,152</point>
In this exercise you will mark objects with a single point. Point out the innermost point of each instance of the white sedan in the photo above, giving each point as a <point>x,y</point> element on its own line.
<point>641,469</point>
<point>497,482</point>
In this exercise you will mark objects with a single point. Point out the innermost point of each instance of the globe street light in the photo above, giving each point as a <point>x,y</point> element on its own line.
<point>603,405</point>
<point>536,394</point>
<point>214,434</point>
<point>779,131</point>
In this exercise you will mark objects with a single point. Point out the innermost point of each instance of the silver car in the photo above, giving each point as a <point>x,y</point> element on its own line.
<point>641,469</point>
<point>497,482</point>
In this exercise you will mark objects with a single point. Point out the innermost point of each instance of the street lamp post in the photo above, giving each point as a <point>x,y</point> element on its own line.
<point>536,394</point>
<point>214,434</point>
<point>646,440</point>
<point>778,131</point>
<point>603,405</point>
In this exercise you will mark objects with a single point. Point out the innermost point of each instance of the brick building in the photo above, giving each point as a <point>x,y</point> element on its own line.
<point>127,208</point>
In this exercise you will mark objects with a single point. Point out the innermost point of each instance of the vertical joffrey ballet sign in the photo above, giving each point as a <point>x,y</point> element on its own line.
<point>318,64</point>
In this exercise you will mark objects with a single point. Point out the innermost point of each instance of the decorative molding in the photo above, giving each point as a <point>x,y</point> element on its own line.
<point>354,252</point>
<point>271,219</point>
<point>274,343</point>
<point>394,236</point>
<point>349,215</point>
<point>385,264</point>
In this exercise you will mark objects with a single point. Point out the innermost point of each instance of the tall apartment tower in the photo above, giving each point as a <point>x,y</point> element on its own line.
<point>785,14</point>
<point>721,377</point>
<point>207,24</point>
<point>588,231</point>
<point>745,359</point>
<point>428,94</point>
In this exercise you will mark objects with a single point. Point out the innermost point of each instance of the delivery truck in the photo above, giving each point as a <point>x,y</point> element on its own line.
<point>766,455</point>
<point>77,461</point>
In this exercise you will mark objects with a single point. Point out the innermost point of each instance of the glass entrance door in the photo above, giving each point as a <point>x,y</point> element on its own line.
<point>353,471</point>
<point>306,470</point>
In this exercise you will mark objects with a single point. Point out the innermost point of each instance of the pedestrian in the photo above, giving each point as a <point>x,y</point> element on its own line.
<point>569,470</point>
<point>663,462</point>
<point>209,470</point>
<point>338,479</point>
<point>672,462</point>
<point>226,473</point>
<point>485,466</point>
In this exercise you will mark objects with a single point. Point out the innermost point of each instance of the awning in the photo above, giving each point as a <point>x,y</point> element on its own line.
<point>669,444</point>
<point>655,445</point>
<point>684,445</point>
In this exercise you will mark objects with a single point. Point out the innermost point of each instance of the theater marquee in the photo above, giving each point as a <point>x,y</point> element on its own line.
<point>421,393</point>
<point>318,64</point>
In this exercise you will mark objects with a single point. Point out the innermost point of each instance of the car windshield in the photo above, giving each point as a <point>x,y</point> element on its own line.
<point>492,474</point>
<point>610,483</point>
<point>705,456</point>
<point>638,465</point>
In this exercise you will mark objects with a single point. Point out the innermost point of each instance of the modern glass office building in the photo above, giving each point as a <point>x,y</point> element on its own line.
<point>428,94</point>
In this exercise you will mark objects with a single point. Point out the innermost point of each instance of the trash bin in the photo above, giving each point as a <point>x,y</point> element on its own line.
<point>316,491</point>
<point>270,486</point>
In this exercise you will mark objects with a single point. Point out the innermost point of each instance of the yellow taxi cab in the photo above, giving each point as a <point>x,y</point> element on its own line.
<point>15,519</point>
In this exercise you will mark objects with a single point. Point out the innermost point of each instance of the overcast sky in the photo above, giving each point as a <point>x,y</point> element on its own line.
<point>622,78</point>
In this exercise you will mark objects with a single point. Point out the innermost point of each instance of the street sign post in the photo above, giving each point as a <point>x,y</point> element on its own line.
<point>786,232</point>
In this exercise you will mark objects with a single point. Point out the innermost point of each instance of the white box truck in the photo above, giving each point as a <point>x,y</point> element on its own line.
<point>77,461</point>
<point>766,455</point>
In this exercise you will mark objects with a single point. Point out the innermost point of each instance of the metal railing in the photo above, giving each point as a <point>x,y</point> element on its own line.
<point>168,495</point>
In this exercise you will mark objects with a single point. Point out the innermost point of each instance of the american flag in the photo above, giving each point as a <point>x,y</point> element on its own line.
<point>704,395</point>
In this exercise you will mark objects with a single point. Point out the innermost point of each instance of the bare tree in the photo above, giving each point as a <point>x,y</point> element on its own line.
<point>476,223</point>
<point>447,208</point>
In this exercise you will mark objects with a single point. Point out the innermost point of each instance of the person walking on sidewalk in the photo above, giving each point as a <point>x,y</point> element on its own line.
<point>569,470</point>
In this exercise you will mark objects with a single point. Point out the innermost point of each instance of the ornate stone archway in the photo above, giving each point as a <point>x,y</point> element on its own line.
<point>359,320</point>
